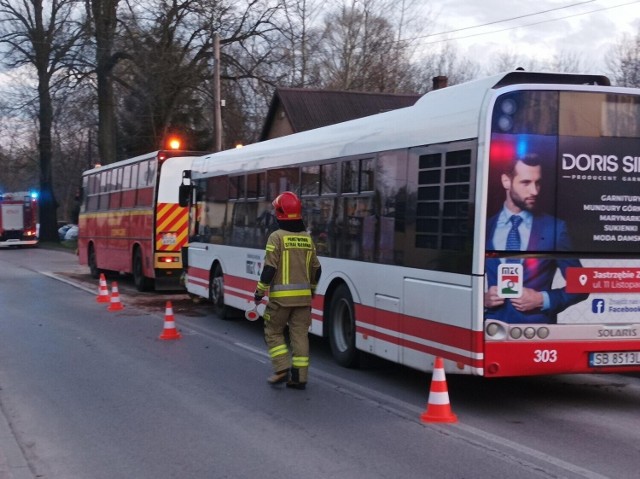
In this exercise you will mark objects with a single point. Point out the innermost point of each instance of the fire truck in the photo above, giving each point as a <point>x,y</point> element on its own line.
<point>18,219</point>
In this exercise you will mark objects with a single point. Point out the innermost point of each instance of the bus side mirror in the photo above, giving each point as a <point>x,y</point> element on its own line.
<point>184,193</point>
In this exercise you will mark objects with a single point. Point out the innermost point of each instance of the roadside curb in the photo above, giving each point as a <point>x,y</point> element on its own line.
<point>13,464</point>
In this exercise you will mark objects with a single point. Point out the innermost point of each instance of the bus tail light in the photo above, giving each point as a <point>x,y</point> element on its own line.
<point>168,259</point>
<point>497,330</point>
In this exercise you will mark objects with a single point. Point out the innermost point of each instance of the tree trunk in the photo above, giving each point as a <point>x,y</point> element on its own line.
<point>47,204</point>
<point>104,15</point>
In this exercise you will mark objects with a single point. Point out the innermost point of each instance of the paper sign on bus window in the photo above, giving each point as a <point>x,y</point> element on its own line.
<point>510,280</point>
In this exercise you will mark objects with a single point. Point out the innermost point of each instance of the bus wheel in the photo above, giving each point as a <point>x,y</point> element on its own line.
<point>342,328</point>
<point>216,293</point>
<point>141,282</point>
<point>93,265</point>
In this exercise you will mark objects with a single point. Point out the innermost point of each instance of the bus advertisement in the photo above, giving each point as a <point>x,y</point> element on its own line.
<point>18,219</point>
<point>493,224</point>
<point>130,221</point>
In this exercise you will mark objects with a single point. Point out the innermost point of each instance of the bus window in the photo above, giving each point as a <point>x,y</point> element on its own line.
<point>350,176</point>
<point>236,187</point>
<point>359,229</point>
<point>366,175</point>
<point>310,180</point>
<point>329,179</point>
<point>319,214</point>
<point>391,188</point>
<point>255,185</point>
<point>103,202</point>
<point>442,218</point>
<point>93,192</point>
<point>212,208</point>
<point>281,180</point>
<point>145,184</point>
<point>357,175</point>
<point>129,182</point>
<point>116,189</point>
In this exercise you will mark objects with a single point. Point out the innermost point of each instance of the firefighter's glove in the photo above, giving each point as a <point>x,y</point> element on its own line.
<point>257,296</point>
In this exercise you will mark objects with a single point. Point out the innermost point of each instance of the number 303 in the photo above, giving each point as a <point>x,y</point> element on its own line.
<point>545,356</point>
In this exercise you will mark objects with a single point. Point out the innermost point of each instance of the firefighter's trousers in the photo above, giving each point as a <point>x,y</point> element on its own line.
<point>276,318</point>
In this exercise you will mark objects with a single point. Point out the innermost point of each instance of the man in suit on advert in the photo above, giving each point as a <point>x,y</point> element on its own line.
<point>519,227</point>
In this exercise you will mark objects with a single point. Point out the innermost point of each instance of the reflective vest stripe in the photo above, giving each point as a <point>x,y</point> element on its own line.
<point>285,267</point>
<point>290,287</point>
<point>278,350</point>
<point>270,248</point>
<point>290,294</point>
<point>300,362</point>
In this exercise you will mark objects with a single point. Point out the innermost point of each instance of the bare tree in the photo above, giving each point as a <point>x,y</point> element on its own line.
<point>567,62</point>
<point>167,85</point>
<point>104,16</point>
<point>45,35</point>
<point>624,61</point>
<point>300,39</point>
<point>356,42</point>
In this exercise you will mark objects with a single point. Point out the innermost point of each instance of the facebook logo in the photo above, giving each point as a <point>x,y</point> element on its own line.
<point>597,306</point>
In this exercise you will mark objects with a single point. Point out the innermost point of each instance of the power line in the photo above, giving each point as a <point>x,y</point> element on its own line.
<point>518,26</point>
<point>507,19</point>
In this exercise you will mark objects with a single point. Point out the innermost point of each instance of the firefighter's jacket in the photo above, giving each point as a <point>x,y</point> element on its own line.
<point>297,269</point>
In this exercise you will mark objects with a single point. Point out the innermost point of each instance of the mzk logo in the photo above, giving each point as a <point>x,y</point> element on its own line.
<point>510,280</point>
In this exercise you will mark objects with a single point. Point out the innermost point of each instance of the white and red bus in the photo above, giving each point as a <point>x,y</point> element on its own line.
<point>408,210</point>
<point>19,219</point>
<point>130,221</point>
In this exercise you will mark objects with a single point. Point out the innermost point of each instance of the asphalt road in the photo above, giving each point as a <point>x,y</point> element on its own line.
<point>88,393</point>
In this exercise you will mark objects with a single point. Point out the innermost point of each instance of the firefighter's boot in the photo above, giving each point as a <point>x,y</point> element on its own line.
<point>295,382</point>
<point>278,377</point>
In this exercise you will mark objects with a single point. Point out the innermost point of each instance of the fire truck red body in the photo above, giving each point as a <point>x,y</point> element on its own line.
<point>18,219</point>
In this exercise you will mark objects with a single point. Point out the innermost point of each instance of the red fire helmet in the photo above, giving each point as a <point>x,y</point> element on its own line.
<point>287,206</point>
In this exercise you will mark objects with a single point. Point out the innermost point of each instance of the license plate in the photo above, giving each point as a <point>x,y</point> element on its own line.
<point>168,239</point>
<point>608,359</point>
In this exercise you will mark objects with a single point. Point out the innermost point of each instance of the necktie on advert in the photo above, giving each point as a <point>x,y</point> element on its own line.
<point>513,238</point>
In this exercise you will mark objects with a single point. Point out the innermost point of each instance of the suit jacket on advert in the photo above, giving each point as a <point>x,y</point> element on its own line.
<point>548,234</point>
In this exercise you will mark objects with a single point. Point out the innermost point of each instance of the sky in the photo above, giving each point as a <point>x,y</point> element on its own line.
<point>481,29</point>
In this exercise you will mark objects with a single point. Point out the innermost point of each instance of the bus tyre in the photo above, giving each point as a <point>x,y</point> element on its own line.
<point>141,282</point>
<point>342,328</point>
<point>216,293</point>
<point>93,264</point>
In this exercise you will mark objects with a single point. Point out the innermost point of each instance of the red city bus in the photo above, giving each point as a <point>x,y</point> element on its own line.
<point>130,221</point>
<point>19,219</point>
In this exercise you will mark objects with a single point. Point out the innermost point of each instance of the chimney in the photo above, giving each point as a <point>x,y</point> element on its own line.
<point>440,82</point>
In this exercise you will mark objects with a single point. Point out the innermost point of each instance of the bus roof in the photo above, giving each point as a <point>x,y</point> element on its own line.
<point>448,114</point>
<point>162,154</point>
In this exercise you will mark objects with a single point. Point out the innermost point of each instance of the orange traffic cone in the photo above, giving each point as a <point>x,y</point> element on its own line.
<point>115,304</point>
<point>438,407</point>
<point>169,331</point>
<point>103,292</point>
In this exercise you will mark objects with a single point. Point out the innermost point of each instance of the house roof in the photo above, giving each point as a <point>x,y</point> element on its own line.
<point>307,109</point>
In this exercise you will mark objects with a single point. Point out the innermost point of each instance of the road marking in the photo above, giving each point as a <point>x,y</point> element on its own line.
<point>69,282</point>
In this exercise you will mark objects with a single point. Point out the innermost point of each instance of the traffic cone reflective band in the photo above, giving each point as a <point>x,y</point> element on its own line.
<point>115,304</point>
<point>438,407</point>
<point>103,292</point>
<point>169,331</point>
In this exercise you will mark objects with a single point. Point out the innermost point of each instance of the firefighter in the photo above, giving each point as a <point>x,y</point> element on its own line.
<point>290,274</point>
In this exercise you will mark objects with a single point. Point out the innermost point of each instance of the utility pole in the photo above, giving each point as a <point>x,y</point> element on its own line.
<point>217,114</point>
